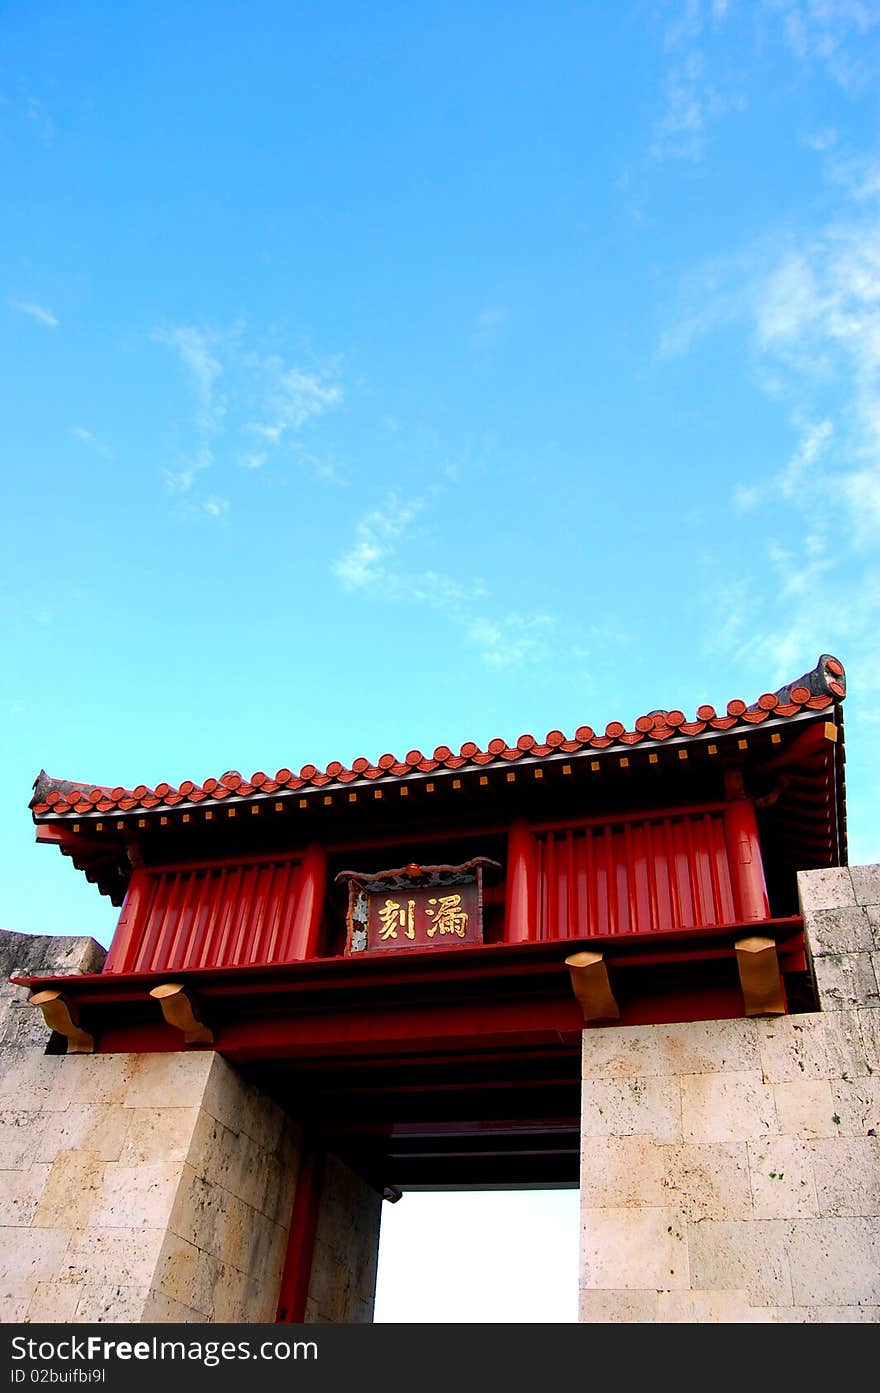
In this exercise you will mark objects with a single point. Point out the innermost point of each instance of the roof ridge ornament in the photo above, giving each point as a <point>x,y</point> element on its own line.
<point>827,678</point>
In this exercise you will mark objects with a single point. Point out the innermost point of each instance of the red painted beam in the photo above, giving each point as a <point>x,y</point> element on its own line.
<point>746,865</point>
<point>520,920</point>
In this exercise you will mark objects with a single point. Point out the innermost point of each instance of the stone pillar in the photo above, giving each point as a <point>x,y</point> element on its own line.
<point>343,1281</point>
<point>154,1187</point>
<point>731,1169</point>
<point>841,909</point>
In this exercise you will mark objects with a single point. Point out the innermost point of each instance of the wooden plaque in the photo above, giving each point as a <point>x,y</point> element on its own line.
<point>415,907</point>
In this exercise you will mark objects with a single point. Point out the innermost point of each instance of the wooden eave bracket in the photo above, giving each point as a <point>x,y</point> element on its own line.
<point>59,1016</point>
<point>592,986</point>
<point>761,981</point>
<point>180,1010</point>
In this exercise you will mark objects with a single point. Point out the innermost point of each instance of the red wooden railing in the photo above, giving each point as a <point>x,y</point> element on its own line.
<point>639,874</point>
<point>229,915</point>
<point>634,877</point>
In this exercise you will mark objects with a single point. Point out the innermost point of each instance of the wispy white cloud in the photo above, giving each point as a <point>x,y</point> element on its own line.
<point>87,438</point>
<point>511,640</point>
<point>40,313</point>
<point>247,406</point>
<point>215,507</point>
<point>196,351</point>
<point>814,444</point>
<point>800,478</point>
<point>692,103</point>
<point>807,311</point>
<point>372,566</point>
<point>368,562</point>
<point>442,592</point>
<point>829,34</point>
<point>861,491</point>
<point>287,399</point>
<point>821,140</point>
<point>698,87</point>
<point>811,310</point>
<point>693,97</point>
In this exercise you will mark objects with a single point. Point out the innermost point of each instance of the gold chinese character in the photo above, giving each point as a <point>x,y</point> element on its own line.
<point>393,916</point>
<point>449,917</point>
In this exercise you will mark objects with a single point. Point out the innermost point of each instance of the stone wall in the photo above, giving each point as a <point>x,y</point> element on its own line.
<point>731,1169</point>
<point>154,1187</point>
<point>343,1280</point>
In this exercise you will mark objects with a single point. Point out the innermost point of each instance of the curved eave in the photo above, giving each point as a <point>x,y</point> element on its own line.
<point>806,744</point>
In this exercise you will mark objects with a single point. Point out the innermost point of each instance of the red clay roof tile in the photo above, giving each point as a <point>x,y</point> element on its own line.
<point>816,690</point>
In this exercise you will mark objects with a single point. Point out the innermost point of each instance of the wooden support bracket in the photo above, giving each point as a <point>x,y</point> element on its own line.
<point>592,987</point>
<point>180,1010</point>
<point>58,1016</point>
<point>760,978</point>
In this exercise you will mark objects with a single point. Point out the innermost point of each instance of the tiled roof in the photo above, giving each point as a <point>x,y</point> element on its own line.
<point>817,690</point>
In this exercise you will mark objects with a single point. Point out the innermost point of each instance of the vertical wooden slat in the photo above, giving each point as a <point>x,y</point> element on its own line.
<point>682,875</point>
<point>690,857</point>
<point>610,879</point>
<point>132,921</point>
<point>675,902</point>
<point>722,867</point>
<point>259,915</point>
<point>621,883</point>
<point>651,871</point>
<point>601,914</point>
<point>190,888</point>
<point>592,892</point>
<point>242,918</point>
<point>204,918</point>
<point>226,920</point>
<point>571,913</point>
<point>717,906</point>
<point>274,891</point>
<point>286,931</point>
<point>630,873</point>
<point>159,925</point>
<point>188,940</point>
<point>560,885</point>
<point>209,954</point>
<point>552,887</point>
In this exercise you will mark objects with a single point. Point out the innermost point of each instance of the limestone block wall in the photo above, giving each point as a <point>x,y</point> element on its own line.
<point>150,1187</point>
<point>22,955</point>
<point>731,1169</point>
<point>224,1243</point>
<point>154,1187</point>
<point>343,1281</point>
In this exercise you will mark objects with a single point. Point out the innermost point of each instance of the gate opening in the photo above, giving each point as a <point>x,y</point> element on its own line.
<point>479,1256</point>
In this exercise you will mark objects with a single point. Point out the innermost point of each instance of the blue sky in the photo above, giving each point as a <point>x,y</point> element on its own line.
<point>376,377</point>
